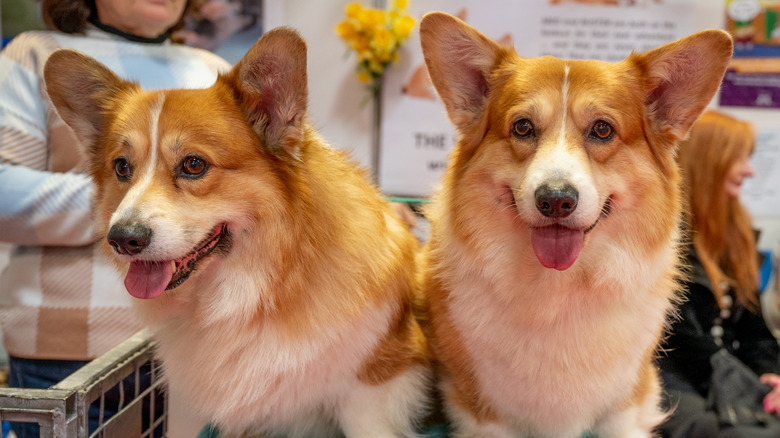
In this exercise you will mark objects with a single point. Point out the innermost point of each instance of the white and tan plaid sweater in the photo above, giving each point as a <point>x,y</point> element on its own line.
<point>59,299</point>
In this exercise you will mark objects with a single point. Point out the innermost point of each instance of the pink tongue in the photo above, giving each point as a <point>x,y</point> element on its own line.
<point>148,279</point>
<point>556,246</point>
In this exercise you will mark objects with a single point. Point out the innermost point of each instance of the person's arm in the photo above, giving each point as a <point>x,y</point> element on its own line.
<point>37,207</point>
<point>44,208</point>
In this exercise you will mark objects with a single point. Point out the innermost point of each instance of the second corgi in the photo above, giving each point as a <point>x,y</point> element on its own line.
<point>553,260</point>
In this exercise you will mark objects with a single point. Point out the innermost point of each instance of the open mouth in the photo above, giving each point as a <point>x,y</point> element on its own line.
<point>557,246</point>
<point>149,279</point>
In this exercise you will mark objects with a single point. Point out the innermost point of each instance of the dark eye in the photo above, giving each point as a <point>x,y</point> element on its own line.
<point>523,128</point>
<point>122,169</point>
<point>193,166</point>
<point>602,130</point>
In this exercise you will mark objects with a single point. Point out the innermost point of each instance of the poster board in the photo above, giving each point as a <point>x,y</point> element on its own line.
<point>416,137</point>
<point>753,76</point>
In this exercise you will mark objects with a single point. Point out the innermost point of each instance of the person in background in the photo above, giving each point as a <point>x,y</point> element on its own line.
<point>721,314</point>
<point>61,303</point>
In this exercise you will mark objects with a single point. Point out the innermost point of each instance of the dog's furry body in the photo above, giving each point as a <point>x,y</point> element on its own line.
<point>553,260</point>
<point>297,321</point>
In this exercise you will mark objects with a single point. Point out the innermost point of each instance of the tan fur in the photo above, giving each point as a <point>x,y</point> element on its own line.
<point>302,323</point>
<point>526,350</point>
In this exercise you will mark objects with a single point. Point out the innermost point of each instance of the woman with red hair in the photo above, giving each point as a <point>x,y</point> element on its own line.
<point>720,329</point>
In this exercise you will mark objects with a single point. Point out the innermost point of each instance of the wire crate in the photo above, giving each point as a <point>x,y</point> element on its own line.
<point>62,410</point>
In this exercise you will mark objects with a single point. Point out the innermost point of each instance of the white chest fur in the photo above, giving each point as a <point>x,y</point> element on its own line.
<point>554,353</point>
<point>244,375</point>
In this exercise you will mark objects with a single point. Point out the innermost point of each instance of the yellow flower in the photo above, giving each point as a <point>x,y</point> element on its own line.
<point>403,27</point>
<point>365,56</point>
<point>382,57</point>
<point>346,30</point>
<point>353,9</point>
<point>375,67</point>
<point>371,18</point>
<point>360,44</point>
<point>363,76</point>
<point>383,40</point>
<point>375,35</point>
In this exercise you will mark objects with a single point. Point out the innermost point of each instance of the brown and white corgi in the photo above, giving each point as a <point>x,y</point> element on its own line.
<point>553,260</point>
<point>278,282</point>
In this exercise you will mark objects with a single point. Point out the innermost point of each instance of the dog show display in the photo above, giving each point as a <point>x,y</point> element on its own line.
<point>289,300</point>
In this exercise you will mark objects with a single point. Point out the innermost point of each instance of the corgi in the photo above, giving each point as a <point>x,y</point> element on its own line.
<point>277,281</point>
<point>553,262</point>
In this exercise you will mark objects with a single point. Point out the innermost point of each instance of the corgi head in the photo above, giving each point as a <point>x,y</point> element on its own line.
<point>180,174</point>
<point>558,150</point>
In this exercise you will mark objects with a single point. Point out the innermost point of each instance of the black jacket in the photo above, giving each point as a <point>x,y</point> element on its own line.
<point>685,356</point>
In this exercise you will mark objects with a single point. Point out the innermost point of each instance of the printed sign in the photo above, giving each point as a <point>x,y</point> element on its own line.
<point>753,77</point>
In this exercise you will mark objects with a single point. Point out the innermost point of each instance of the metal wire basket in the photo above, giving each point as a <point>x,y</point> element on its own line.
<point>62,410</point>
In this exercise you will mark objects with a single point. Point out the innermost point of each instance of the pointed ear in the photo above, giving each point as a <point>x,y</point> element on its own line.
<point>81,89</point>
<point>681,78</point>
<point>270,82</point>
<point>460,60</point>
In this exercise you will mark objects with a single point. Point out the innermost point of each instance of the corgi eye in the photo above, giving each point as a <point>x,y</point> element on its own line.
<point>193,166</point>
<point>601,130</point>
<point>122,169</point>
<point>523,128</point>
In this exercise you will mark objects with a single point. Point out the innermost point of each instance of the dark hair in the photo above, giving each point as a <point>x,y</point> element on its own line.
<point>71,16</point>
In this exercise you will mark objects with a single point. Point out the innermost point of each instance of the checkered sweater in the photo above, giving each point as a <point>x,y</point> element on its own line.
<point>59,299</point>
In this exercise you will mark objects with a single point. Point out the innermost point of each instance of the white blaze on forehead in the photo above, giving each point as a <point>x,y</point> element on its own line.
<point>143,173</point>
<point>554,160</point>
<point>564,108</point>
<point>558,161</point>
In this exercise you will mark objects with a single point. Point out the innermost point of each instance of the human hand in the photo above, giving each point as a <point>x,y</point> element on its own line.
<point>772,400</point>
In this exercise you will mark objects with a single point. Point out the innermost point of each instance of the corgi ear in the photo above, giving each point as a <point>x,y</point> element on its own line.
<point>81,90</point>
<point>460,60</point>
<point>681,78</point>
<point>270,81</point>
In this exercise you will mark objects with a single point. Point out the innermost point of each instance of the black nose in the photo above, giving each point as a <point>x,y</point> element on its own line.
<point>129,238</point>
<point>556,199</point>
